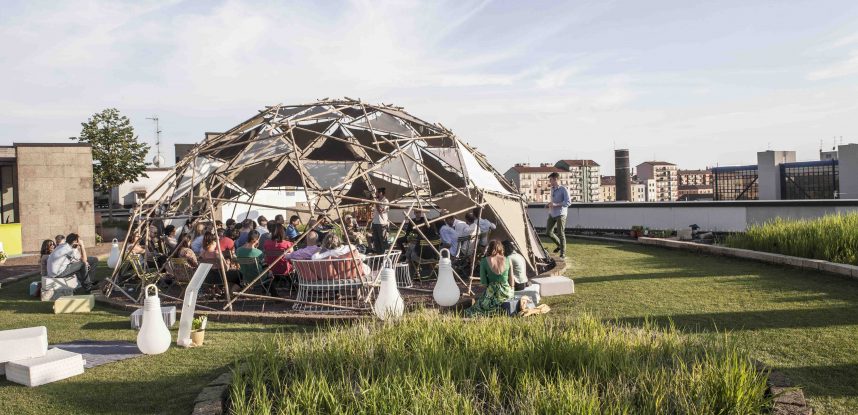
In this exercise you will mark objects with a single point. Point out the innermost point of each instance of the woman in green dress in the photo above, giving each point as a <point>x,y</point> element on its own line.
<point>496,275</point>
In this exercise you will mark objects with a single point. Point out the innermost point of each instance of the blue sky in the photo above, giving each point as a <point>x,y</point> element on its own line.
<point>697,84</point>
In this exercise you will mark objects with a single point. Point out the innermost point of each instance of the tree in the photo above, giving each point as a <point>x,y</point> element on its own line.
<point>117,156</point>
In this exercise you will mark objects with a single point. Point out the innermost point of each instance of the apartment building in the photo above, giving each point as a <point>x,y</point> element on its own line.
<point>608,188</point>
<point>532,181</point>
<point>666,179</point>
<point>695,177</point>
<point>584,180</point>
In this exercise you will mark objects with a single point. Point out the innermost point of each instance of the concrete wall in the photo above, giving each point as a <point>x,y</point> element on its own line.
<point>769,172</point>
<point>55,192</point>
<point>848,160</point>
<point>720,216</point>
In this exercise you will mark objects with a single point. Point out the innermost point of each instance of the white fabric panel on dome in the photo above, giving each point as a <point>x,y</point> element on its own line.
<point>403,167</point>
<point>263,149</point>
<point>328,175</point>
<point>380,121</point>
<point>204,167</point>
<point>481,177</point>
<point>449,155</point>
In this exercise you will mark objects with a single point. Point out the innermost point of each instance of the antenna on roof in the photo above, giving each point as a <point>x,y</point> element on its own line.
<point>158,160</point>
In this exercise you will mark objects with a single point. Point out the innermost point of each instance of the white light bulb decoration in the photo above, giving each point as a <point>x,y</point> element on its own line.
<point>154,336</point>
<point>446,292</point>
<point>113,258</point>
<point>389,303</point>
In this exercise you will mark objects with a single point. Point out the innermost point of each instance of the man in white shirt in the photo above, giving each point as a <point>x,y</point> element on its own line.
<point>450,232</point>
<point>485,226</point>
<point>66,260</point>
<point>380,221</point>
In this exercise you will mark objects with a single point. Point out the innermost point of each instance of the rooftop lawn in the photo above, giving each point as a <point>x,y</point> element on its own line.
<point>801,322</point>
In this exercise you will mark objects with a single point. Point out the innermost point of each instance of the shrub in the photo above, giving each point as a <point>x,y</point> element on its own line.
<point>832,238</point>
<point>426,364</point>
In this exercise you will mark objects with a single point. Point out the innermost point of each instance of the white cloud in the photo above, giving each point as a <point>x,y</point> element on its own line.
<point>840,69</point>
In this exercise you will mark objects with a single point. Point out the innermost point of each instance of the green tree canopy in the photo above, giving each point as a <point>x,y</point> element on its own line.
<point>116,154</point>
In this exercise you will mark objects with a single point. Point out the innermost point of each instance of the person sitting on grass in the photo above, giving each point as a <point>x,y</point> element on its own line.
<point>292,230</point>
<point>274,247</point>
<point>69,258</point>
<point>495,274</point>
<point>48,246</point>
<point>519,269</point>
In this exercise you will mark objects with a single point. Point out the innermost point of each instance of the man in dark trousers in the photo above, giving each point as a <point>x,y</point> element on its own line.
<point>556,226</point>
<point>380,221</point>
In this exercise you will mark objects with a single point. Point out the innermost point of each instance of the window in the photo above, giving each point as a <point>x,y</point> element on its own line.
<point>810,180</point>
<point>735,183</point>
<point>8,204</point>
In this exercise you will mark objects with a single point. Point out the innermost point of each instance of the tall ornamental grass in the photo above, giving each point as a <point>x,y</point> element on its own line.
<point>832,238</point>
<point>429,364</point>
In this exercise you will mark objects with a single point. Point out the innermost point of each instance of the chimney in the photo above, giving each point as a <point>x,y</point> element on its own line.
<point>623,173</point>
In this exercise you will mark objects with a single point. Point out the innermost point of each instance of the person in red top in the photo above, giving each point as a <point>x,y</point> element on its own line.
<point>226,244</point>
<point>274,247</point>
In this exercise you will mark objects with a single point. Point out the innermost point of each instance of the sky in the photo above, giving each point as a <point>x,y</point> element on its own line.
<point>695,83</point>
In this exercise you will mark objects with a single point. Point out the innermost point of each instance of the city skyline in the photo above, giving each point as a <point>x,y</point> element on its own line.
<point>698,86</point>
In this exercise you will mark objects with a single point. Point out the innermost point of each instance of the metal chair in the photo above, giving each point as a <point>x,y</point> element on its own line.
<point>339,283</point>
<point>251,268</point>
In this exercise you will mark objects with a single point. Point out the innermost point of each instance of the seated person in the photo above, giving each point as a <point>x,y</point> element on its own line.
<point>226,243</point>
<point>262,228</point>
<point>48,246</point>
<point>250,249</point>
<point>68,259</point>
<point>449,233</point>
<point>356,235</point>
<point>306,253</point>
<point>484,225</point>
<point>467,233</point>
<point>246,226</point>
<point>519,267</point>
<point>495,275</point>
<point>323,226</point>
<point>170,238</point>
<point>292,230</point>
<point>210,254</point>
<point>183,250</point>
<point>274,247</point>
<point>200,230</point>
<point>332,247</point>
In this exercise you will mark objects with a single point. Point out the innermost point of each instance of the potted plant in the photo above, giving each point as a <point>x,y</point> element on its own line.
<point>636,231</point>
<point>3,257</point>
<point>198,330</point>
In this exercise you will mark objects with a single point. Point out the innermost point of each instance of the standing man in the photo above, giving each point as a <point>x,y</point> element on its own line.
<point>556,227</point>
<point>379,221</point>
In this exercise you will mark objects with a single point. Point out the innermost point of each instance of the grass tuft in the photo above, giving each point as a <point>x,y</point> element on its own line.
<point>430,364</point>
<point>831,238</point>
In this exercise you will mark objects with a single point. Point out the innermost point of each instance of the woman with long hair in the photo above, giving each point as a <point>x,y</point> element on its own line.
<point>48,246</point>
<point>495,274</point>
<point>275,246</point>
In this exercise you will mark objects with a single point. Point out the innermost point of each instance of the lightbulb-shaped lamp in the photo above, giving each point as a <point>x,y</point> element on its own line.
<point>389,303</point>
<point>113,258</point>
<point>154,336</point>
<point>446,292</point>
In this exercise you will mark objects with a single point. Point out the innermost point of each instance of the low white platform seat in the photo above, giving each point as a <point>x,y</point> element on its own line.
<point>555,285</point>
<point>338,283</point>
<point>56,364</point>
<point>532,292</point>
<point>23,343</point>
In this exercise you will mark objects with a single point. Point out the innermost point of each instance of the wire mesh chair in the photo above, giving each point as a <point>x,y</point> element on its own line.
<point>339,283</point>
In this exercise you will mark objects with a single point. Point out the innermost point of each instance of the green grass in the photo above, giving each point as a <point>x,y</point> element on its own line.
<point>162,384</point>
<point>431,364</point>
<point>832,238</point>
<point>802,323</point>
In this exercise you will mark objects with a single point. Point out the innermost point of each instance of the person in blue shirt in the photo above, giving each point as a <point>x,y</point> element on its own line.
<point>292,230</point>
<point>557,207</point>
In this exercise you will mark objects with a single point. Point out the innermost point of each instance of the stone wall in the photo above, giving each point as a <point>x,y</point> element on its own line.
<point>55,192</point>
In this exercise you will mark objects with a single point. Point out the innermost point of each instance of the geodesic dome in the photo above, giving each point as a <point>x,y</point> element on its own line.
<point>338,152</point>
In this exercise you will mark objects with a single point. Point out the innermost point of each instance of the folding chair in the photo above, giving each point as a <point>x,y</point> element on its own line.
<point>146,276</point>
<point>250,268</point>
<point>181,271</point>
<point>288,276</point>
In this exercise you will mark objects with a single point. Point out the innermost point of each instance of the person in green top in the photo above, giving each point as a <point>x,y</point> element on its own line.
<point>496,275</point>
<point>250,250</point>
